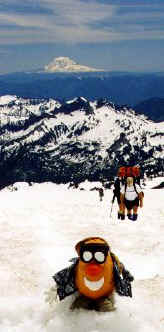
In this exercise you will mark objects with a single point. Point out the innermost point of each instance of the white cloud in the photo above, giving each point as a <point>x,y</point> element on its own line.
<point>82,35</point>
<point>73,21</point>
<point>77,12</point>
<point>69,22</point>
<point>34,21</point>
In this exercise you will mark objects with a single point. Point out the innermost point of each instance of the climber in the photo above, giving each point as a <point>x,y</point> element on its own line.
<point>131,197</point>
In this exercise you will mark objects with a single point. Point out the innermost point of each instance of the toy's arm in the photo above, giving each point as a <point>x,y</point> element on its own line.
<point>122,277</point>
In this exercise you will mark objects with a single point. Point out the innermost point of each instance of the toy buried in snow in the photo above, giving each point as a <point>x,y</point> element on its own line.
<point>95,274</point>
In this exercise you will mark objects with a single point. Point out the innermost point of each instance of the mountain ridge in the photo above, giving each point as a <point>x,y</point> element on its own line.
<point>46,140</point>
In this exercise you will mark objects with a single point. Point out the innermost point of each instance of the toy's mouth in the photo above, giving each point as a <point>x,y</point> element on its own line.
<point>94,285</point>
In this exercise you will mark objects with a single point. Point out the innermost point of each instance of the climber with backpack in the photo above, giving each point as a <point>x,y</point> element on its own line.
<point>131,197</point>
<point>131,194</point>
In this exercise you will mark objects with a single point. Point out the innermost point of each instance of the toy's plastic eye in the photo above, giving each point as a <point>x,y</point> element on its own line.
<point>99,256</point>
<point>87,256</point>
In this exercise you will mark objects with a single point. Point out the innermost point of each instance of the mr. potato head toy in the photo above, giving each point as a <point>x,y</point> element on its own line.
<point>94,275</point>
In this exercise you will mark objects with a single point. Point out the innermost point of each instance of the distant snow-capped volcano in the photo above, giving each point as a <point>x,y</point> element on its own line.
<point>65,64</point>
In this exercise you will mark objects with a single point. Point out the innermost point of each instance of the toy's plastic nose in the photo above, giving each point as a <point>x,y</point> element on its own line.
<point>93,269</point>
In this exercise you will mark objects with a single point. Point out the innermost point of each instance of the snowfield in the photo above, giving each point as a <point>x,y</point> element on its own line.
<point>40,226</point>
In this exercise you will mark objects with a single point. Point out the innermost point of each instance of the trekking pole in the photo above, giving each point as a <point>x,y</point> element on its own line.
<point>112,206</point>
<point>111,211</point>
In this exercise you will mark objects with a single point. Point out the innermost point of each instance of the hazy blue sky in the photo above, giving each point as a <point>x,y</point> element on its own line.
<point>109,34</point>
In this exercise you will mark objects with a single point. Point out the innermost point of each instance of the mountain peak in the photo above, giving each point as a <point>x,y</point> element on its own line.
<point>4,100</point>
<point>65,64</point>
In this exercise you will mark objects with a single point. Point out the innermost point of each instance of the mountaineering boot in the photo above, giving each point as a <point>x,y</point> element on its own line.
<point>135,217</point>
<point>119,215</point>
<point>83,302</point>
<point>106,304</point>
<point>129,215</point>
<point>122,217</point>
<point>102,305</point>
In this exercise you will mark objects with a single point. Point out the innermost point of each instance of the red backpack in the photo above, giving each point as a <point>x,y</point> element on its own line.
<point>125,171</point>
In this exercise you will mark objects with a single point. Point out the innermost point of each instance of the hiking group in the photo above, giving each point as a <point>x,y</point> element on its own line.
<point>128,192</point>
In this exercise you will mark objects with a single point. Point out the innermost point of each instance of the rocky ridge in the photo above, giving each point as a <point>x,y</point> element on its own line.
<point>46,140</point>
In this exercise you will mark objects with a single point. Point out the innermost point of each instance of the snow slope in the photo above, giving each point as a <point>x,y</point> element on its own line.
<point>40,226</point>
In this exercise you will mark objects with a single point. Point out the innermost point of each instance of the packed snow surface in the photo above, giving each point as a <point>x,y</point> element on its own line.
<point>40,225</point>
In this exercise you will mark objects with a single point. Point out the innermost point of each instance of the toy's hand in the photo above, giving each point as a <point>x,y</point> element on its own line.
<point>141,204</point>
<point>51,295</point>
<point>127,275</point>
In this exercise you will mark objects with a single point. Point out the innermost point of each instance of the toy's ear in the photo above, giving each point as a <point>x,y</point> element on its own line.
<point>122,278</point>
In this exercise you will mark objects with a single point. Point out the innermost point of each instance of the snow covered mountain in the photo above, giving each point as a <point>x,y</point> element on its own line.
<point>40,226</point>
<point>65,64</point>
<point>46,140</point>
